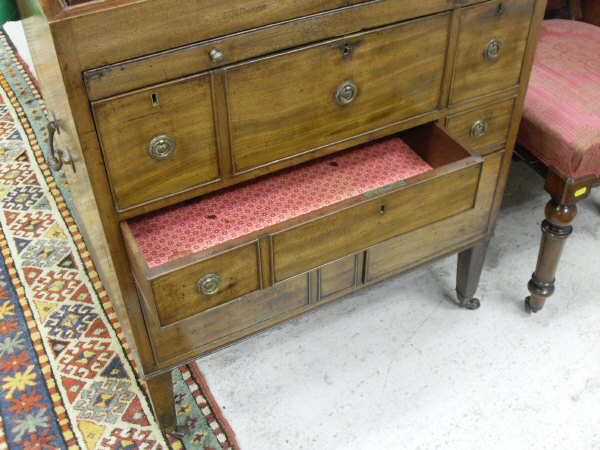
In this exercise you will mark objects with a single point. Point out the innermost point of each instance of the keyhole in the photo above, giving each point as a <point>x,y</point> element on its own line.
<point>346,49</point>
<point>382,210</point>
<point>154,98</point>
<point>500,8</point>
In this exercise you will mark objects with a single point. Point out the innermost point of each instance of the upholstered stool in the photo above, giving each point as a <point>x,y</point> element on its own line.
<point>560,135</point>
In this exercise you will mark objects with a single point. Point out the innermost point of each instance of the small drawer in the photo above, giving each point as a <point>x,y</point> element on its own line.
<point>491,46</point>
<point>376,216</point>
<point>484,126</point>
<point>179,291</point>
<point>158,141</point>
<point>302,100</point>
<point>230,321</point>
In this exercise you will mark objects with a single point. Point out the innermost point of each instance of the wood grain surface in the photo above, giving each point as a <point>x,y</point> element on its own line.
<point>284,105</point>
<point>497,115</point>
<point>507,21</point>
<point>126,124</point>
<point>176,296</point>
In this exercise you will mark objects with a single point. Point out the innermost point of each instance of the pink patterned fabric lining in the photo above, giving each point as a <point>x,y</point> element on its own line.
<point>561,117</point>
<point>182,230</point>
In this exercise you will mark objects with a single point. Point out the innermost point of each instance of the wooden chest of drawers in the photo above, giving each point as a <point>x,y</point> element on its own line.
<point>159,119</point>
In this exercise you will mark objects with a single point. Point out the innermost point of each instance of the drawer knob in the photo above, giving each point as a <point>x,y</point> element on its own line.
<point>217,56</point>
<point>492,49</point>
<point>345,93</point>
<point>209,284</point>
<point>478,129</point>
<point>161,146</point>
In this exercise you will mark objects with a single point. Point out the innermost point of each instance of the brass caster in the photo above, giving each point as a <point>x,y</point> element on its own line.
<point>467,303</point>
<point>181,431</point>
<point>472,303</point>
<point>528,307</point>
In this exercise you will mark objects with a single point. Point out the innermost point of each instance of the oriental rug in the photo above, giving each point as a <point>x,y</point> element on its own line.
<point>67,376</point>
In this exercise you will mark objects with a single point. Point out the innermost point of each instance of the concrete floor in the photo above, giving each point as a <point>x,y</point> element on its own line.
<point>399,366</point>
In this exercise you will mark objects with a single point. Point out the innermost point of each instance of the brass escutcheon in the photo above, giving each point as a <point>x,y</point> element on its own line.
<point>492,49</point>
<point>209,284</point>
<point>161,146</point>
<point>345,93</point>
<point>478,129</point>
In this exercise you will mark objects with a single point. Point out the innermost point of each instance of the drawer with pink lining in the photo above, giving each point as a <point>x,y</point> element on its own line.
<point>205,254</point>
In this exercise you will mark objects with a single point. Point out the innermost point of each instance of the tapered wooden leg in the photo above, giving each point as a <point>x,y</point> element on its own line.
<point>160,390</point>
<point>470,265</point>
<point>555,231</point>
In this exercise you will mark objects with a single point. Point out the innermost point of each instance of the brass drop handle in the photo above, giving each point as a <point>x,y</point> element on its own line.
<point>345,93</point>
<point>478,129</point>
<point>217,56</point>
<point>56,158</point>
<point>161,146</point>
<point>209,284</point>
<point>492,49</point>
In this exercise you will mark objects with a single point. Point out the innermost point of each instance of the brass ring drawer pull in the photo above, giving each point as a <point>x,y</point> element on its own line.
<point>209,284</point>
<point>492,49</point>
<point>478,129</point>
<point>217,56</point>
<point>345,93</point>
<point>161,146</point>
<point>56,158</point>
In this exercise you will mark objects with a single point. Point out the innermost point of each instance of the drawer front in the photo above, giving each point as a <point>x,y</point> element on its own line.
<point>483,127</point>
<point>206,284</point>
<point>448,189</point>
<point>286,105</point>
<point>353,229</point>
<point>339,276</point>
<point>405,251</point>
<point>158,141</point>
<point>106,34</point>
<point>233,320</point>
<point>491,46</point>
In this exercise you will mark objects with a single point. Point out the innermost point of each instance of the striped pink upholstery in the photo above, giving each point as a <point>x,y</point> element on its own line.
<point>561,117</point>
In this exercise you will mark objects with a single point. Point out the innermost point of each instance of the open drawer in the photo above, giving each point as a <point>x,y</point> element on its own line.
<point>208,258</point>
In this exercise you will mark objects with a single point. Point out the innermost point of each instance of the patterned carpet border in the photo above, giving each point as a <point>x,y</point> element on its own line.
<point>66,372</point>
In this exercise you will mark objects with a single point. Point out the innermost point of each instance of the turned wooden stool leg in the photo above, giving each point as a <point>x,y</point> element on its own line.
<point>555,231</point>
<point>160,391</point>
<point>470,265</point>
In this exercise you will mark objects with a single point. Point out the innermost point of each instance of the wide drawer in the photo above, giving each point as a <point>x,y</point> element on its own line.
<point>158,141</point>
<point>448,189</point>
<point>296,102</point>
